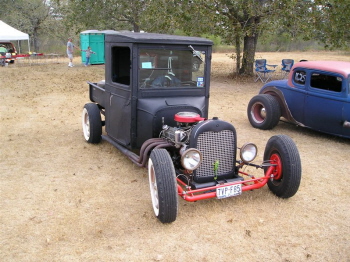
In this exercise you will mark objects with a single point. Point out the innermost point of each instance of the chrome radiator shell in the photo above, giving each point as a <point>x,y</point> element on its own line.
<point>217,142</point>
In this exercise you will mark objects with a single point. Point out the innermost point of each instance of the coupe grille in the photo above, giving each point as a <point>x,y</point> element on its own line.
<point>216,147</point>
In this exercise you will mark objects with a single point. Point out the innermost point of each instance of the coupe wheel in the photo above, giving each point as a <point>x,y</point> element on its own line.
<point>282,151</point>
<point>92,124</point>
<point>163,186</point>
<point>264,111</point>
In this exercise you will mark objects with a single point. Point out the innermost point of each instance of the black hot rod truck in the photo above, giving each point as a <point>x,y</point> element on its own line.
<point>153,105</point>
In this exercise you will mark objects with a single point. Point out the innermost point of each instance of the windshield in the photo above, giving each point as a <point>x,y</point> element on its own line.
<point>164,68</point>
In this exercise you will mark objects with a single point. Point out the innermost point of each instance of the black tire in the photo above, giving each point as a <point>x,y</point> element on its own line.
<point>282,150</point>
<point>163,186</point>
<point>264,111</point>
<point>92,124</point>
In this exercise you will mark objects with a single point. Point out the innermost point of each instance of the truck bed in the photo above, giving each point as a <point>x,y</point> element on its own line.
<point>97,92</point>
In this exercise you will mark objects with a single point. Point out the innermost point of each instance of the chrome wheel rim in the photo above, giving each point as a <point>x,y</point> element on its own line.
<point>258,113</point>
<point>86,124</point>
<point>153,187</point>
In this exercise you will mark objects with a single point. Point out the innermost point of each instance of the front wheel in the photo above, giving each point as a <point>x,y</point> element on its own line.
<point>264,111</point>
<point>92,124</point>
<point>282,151</point>
<point>163,186</point>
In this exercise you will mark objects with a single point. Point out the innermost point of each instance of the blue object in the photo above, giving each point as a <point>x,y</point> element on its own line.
<point>316,95</point>
<point>96,40</point>
<point>287,65</point>
<point>262,72</point>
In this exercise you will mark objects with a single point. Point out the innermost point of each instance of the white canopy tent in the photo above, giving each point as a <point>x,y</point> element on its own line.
<point>8,33</point>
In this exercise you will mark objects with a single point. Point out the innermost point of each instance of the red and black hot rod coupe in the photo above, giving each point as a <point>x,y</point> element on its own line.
<point>153,105</point>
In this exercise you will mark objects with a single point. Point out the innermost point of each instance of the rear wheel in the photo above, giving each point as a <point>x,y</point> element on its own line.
<point>264,111</point>
<point>163,186</point>
<point>92,124</point>
<point>282,151</point>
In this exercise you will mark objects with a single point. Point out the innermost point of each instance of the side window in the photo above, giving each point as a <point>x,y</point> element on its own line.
<point>326,82</point>
<point>300,77</point>
<point>121,63</point>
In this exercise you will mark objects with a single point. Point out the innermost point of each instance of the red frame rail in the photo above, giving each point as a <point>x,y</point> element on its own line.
<point>198,194</point>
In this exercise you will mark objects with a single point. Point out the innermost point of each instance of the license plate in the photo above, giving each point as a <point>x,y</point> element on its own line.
<point>229,191</point>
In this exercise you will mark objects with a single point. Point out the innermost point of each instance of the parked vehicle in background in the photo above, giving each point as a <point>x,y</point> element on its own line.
<point>316,95</point>
<point>11,52</point>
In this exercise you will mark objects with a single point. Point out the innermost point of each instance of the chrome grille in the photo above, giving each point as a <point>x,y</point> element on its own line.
<point>216,146</point>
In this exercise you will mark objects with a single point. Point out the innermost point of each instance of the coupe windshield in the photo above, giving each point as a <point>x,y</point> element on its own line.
<point>164,68</point>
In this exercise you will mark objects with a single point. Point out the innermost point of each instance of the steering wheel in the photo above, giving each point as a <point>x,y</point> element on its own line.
<point>166,81</point>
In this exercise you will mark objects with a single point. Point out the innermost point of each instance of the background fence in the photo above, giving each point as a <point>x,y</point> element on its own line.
<point>40,59</point>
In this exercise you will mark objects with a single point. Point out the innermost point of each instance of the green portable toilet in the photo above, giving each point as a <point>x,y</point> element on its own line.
<point>96,40</point>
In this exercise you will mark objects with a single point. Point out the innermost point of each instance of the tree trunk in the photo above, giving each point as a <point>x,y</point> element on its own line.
<point>35,40</point>
<point>136,28</point>
<point>248,55</point>
<point>238,52</point>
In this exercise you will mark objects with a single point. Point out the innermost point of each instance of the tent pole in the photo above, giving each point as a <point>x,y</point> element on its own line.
<point>19,47</point>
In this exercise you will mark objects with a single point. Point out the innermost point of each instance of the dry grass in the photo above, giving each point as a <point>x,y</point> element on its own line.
<point>65,200</point>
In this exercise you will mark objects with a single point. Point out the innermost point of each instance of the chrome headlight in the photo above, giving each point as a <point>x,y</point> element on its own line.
<point>248,152</point>
<point>191,159</point>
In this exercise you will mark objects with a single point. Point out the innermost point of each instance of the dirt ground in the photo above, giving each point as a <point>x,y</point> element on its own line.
<point>65,200</point>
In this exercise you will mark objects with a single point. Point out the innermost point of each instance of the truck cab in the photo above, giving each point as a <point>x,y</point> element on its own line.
<point>148,79</point>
